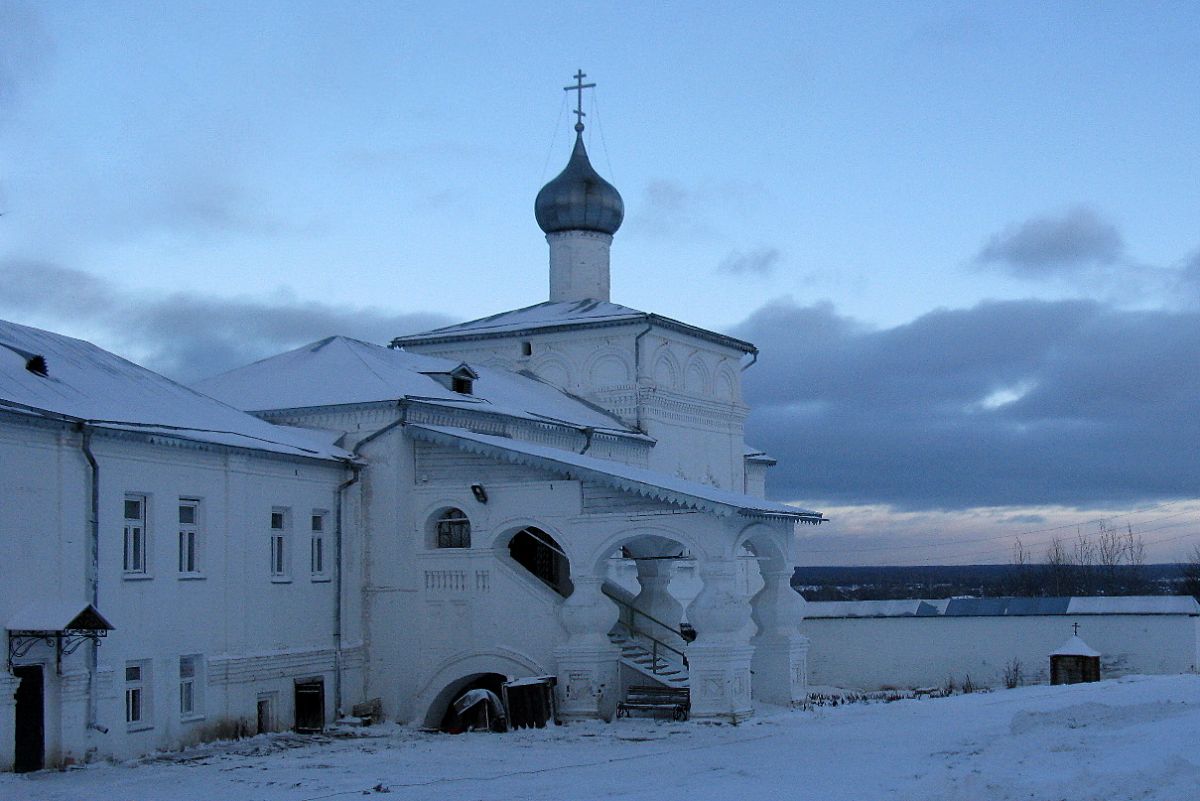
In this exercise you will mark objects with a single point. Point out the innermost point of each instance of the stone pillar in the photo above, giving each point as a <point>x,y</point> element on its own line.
<point>655,600</point>
<point>588,681</point>
<point>8,718</point>
<point>719,659</point>
<point>780,650</point>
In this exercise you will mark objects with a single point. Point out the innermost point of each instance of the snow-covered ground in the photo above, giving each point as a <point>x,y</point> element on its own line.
<point>1130,738</point>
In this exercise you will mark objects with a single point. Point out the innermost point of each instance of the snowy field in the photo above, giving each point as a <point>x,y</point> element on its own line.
<point>1131,738</point>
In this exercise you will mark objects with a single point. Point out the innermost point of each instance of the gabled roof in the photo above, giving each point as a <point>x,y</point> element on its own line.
<point>339,371</point>
<point>638,480</point>
<point>85,383</point>
<point>562,316</point>
<point>1075,647</point>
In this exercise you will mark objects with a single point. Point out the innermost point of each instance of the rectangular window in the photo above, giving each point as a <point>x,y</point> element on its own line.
<point>279,551</point>
<point>191,687</point>
<point>189,536</point>
<point>135,534</point>
<point>137,697</point>
<point>319,560</point>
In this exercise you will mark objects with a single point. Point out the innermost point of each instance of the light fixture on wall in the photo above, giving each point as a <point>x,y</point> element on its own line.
<point>479,492</point>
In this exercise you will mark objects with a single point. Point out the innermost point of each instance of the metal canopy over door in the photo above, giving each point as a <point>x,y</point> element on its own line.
<point>30,751</point>
<point>310,705</point>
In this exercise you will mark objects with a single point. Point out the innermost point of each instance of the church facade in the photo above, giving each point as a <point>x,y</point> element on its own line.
<point>505,498</point>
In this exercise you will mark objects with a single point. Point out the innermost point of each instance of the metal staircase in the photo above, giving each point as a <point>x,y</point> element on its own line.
<point>662,664</point>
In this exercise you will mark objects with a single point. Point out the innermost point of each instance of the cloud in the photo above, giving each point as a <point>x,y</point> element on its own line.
<point>1018,403</point>
<point>26,50</point>
<point>188,336</point>
<point>760,261</point>
<point>1076,239</point>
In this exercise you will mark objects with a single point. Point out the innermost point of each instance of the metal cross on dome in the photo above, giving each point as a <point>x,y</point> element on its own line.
<point>579,87</point>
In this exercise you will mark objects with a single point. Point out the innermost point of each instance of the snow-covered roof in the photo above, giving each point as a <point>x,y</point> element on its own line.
<point>1010,607</point>
<point>85,383</point>
<point>1074,647</point>
<point>561,315</point>
<point>57,616</point>
<point>638,480</point>
<point>339,370</point>
<point>752,454</point>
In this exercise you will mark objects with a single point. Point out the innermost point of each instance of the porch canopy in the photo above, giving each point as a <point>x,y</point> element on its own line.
<point>63,625</point>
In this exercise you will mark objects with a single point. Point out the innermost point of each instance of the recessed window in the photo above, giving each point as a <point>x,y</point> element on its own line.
<point>461,385</point>
<point>189,536</point>
<point>135,535</point>
<point>318,558</point>
<point>453,529</point>
<point>526,348</point>
<point>279,545</point>
<point>191,687</point>
<point>137,699</point>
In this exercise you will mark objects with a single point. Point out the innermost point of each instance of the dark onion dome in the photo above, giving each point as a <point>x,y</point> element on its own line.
<point>579,199</point>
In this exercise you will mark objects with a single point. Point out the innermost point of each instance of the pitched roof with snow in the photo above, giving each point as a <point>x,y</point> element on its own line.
<point>339,370</point>
<point>638,480</point>
<point>1075,647</point>
<point>562,316</point>
<point>82,382</point>
<point>1010,607</point>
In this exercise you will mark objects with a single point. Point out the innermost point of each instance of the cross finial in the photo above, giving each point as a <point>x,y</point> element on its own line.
<point>1077,629</point>
<point>579,87</point>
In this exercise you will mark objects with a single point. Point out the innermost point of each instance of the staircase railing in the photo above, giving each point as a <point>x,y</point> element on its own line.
<point>629,615</point>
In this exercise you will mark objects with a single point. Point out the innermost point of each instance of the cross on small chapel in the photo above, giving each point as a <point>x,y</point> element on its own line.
<point>1076,629</point>
<point>579,87</point>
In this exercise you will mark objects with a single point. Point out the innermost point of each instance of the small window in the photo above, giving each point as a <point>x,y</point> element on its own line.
<point>461,385</point>
<point>526,348</point>
<point>134,535</point>
<point>191,687</point>
<point>453,529</point>
<point>137,700</point>
<point>189,536</point>
<point>279,545</point>
<point>318,558</point>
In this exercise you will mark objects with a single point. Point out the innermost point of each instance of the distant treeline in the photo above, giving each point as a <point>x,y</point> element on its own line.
<point>984,581</point>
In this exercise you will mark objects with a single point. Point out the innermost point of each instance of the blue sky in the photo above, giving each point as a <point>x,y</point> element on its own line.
<point>197,184</point>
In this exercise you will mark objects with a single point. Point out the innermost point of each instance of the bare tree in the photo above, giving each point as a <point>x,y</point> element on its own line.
<point>1191,573</point>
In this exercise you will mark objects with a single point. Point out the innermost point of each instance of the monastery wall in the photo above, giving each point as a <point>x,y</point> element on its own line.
<point>872,653</point>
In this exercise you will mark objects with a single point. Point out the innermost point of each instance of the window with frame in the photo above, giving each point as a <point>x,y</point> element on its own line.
<point>189,536</point>
<point>137,696</point>
<point>453,529</point>
<point>318,558</point>
<point>191,686</point>
<point>135,561</point>
<point>279,552</point>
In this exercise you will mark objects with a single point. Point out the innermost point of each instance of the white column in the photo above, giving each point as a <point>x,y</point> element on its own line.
<point>780,651</point>
<point>655,600</point>
<point>8,718</point>
<point>719,659</point>
<point>588,682</point>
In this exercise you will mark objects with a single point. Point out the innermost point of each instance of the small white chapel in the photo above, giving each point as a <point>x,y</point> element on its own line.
<point>352,526</point>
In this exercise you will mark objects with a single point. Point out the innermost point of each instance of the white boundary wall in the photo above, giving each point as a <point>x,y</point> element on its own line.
<point>877,652</point>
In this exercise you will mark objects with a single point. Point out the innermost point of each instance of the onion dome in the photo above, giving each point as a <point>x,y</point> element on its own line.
<point>579,199</point>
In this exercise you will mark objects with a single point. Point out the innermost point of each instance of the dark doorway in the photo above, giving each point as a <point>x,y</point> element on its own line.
<point>266,716</point>
<point>453,723</point>
<point>310,705</point>
<point>30,751</point>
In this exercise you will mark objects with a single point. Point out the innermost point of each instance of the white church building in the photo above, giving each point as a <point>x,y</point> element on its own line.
<point>347,522</point>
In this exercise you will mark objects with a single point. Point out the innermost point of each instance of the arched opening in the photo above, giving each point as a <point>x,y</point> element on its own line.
<point>452,529</point>
<point>539,553</point>
<point>480,717</point>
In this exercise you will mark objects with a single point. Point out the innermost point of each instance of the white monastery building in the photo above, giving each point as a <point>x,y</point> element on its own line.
<point>347,522</point>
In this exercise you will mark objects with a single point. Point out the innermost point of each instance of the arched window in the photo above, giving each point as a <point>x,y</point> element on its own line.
<point>453,529</point>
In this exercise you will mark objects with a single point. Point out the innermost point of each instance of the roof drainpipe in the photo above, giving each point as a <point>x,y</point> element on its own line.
<point>637,377</point>
<point>355,474</point>
<point>753,359</point>
<point>92,570</point>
